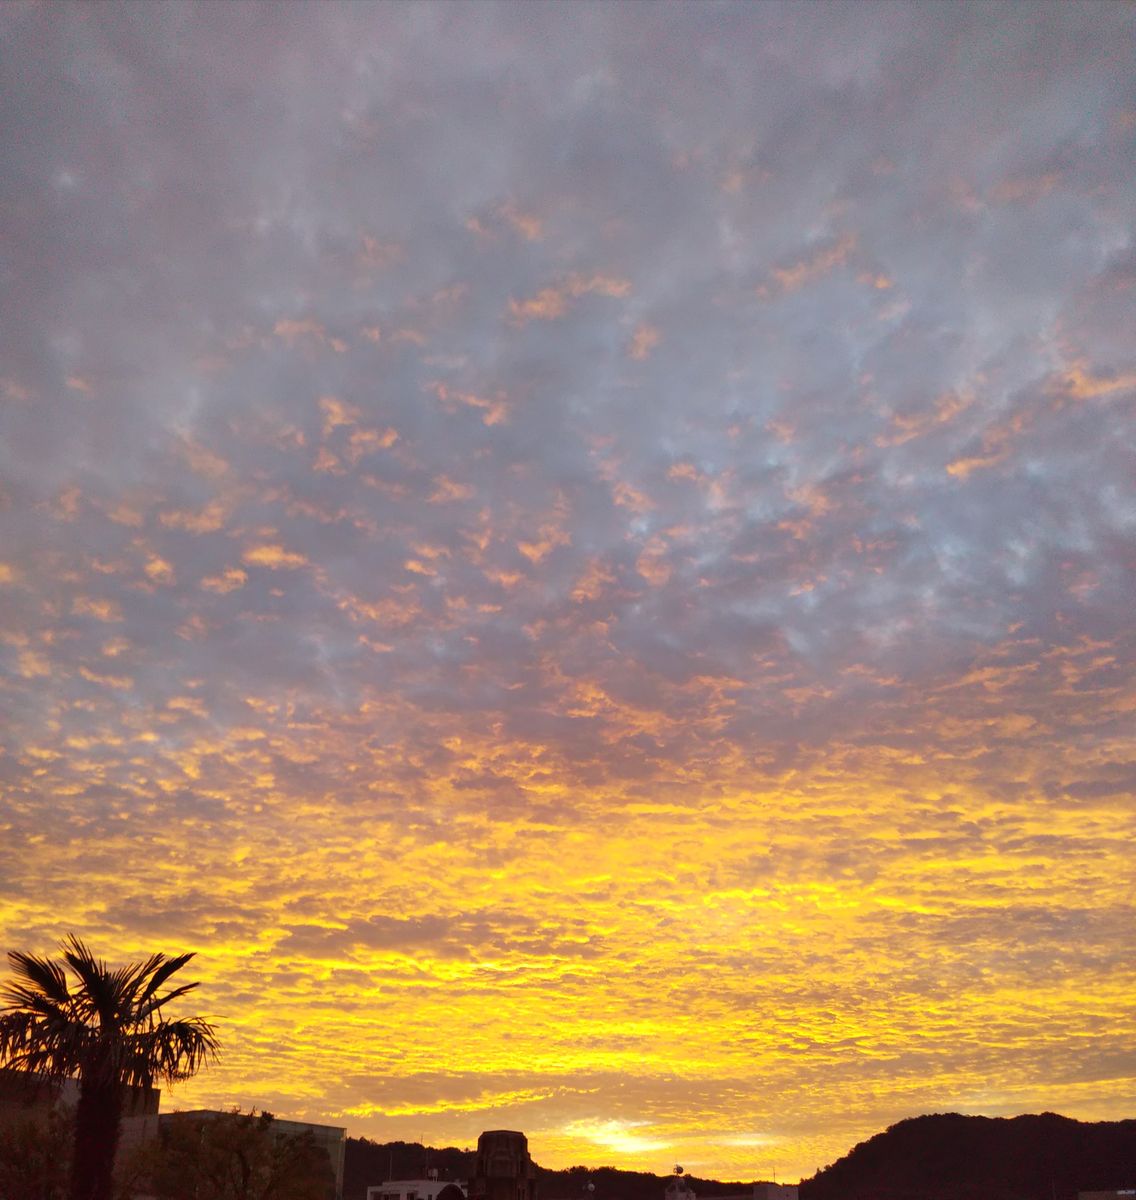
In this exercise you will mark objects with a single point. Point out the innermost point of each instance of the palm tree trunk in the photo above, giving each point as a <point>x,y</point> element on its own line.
<point>97,1123</point>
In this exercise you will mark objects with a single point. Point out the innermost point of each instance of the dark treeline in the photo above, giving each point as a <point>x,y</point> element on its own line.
<point>943,1157</point>
<point>368,1163</point>
<point>953,1157</point>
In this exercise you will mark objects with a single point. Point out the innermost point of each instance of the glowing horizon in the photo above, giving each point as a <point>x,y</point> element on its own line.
<point>582,557</point>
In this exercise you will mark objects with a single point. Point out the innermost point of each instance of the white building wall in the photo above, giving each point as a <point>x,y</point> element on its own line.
<point>774,1191</point>
<point>411,1189</point>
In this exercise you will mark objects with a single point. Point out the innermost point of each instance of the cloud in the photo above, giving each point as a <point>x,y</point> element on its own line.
<point>643,341</point>
<point>816,264</point>
<point>552,302</point>
<point>230,578</point>
<point>610,536</point>
<point>273,556</point>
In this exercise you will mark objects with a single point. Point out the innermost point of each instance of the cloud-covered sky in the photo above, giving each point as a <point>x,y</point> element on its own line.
<point>581,556</point>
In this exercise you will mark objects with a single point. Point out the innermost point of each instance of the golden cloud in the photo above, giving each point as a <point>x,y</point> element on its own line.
<point>100,609</point>
<point>273,556</point>
<point>229,579</point>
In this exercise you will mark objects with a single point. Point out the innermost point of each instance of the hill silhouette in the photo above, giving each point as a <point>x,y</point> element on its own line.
<point>953,1157</point>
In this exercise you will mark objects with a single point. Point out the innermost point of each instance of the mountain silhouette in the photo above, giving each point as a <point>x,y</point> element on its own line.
<point>953,1157</point>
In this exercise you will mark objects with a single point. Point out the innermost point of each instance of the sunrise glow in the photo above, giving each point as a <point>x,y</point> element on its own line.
<point>582,556</point>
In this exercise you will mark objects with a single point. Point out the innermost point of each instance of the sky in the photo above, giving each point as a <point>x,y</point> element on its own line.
<point>581,556</point>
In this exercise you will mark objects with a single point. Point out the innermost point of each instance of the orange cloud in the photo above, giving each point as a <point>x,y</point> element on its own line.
<point>962,468</point>
<point>208,520</point>
<point>687,471</point>
<point>494,410</point>
<point>816,265</point>
<point>546,305</point>
<point>652,564</point>
<point>592,582</point>
<point>101,610</point>
<point>202,460</point>
<point>274,557</point>
<point>549,537</point>
<point>33,665</point>
<point>907,426</point>
<point>446,489</point>
<point>159,570</point>
<point>552,302</point>
<point>118,682</point>
<point>1082,384</point>
<point>326,461</point>
<point>367,441</point>
<point>293,330</point>
<point>626,495</point>
<point>643,341</point>
<point>528,226</point>
<point>125,514</point>
<point>336,413</point>
<point>229,579</point>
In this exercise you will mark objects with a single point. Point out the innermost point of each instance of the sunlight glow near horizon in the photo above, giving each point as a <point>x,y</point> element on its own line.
<point>582,557</point>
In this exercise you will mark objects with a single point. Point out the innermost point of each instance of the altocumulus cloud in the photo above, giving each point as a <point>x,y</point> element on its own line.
<point>581,555</point>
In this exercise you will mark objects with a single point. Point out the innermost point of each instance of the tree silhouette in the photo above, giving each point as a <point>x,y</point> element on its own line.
<point>108,1031</point>
<point>33,1157</point>
<point>236,1156</point>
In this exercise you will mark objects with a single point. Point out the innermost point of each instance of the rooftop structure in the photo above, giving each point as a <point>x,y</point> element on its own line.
<point>418,1189</point>
<point>678,1187</point>
<point>503,1169</point>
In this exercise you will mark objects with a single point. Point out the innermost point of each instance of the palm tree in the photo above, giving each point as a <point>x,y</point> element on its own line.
<point>108,1031</point>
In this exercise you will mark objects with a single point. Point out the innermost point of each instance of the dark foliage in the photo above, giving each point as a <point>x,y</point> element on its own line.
<point>954,1157</point>
<point>236,1156</point>
<point>34,1153</point>
<point>368,1163</point>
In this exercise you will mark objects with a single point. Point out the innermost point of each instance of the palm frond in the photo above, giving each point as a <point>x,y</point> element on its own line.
<point>173,1051</point>
<point>43,974</point>
<point>100,989</point>
<point>24,996</point>
<point>107,1027</point>
<point>155,1003</point>
<point>187,1046</point>
<point>163,968</point>
<point>49,1043</point>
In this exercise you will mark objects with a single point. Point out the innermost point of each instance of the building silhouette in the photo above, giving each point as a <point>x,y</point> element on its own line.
<point>503,1169</point>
